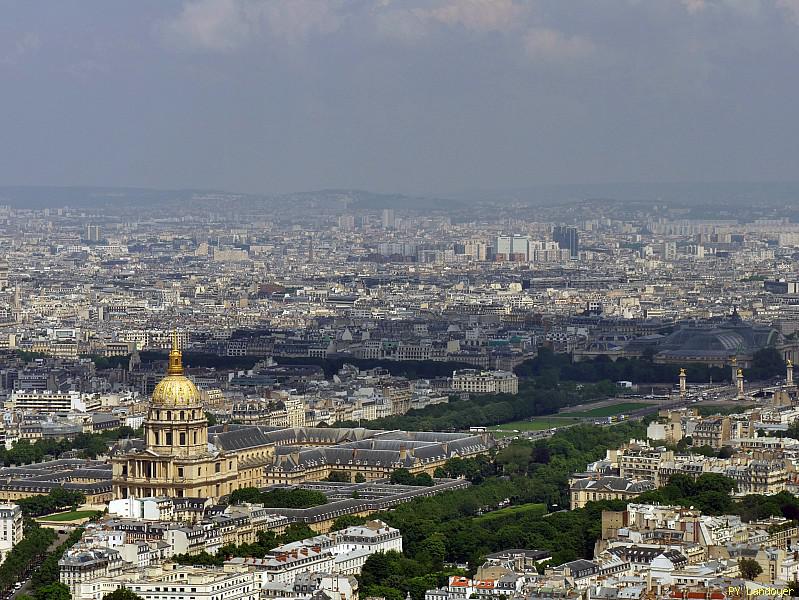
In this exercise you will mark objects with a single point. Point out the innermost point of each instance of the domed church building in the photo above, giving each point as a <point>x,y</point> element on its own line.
<point>176,460</point>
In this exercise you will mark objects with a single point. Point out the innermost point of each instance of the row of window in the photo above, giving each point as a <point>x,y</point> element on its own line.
<point>169,438</point>
<point>193,414</point>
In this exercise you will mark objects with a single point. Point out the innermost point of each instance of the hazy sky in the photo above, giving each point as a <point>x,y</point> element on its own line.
<point>395,95</point>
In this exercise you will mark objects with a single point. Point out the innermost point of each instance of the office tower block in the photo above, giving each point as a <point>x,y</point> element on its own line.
<point>388,218</point>
<point>346,222</point>
<point>567,238</point>
<point>93,233</point>
<point>513,248</point>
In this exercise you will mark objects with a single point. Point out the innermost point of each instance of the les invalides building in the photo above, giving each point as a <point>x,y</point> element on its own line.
<point>176,460</point>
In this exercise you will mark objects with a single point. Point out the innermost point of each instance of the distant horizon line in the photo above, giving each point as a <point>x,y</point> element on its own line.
<point>385,192</point>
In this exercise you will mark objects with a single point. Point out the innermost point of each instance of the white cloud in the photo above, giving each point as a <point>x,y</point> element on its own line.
<point>224,25</point>
<point>791,7</point>
<point>401,24</point>
<point>209,25</point>
<point>410,22</point>
<point>745,8</point>
<point>23,46</point>
<point>542,44</point>
<point>741,8</point>
<point>694,6</point>
<point>294,20</point>
<point>86,69</point>
<point>478,15</point>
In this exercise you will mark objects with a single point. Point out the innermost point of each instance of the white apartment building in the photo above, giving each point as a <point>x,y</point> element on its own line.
<point>175,582</point>
<point>10,528</point>
<point>81,566</point>
<point>48,402</point>
<point>146,509</point>
<point>485,382</point>
<point>374,536</point>
<point>283,567</point>
<point>295,411</point>
<point>341,552</point>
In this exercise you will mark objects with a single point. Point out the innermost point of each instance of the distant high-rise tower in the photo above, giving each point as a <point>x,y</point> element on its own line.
<point>513,248</point>
<point>567,239</point>
<point>3,274</point>
<point>388,218</point>
<point>346,222</point>
<point>93,233</point>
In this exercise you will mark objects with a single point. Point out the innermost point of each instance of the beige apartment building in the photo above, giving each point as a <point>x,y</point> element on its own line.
<point>485,382</point>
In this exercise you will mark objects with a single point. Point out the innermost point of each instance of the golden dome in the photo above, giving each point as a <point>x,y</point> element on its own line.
<point>175,389</point>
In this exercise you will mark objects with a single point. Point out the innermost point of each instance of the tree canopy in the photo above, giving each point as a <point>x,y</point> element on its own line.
<point>279,498</point>
<point>405,477</point>
<point>90,444</point>
<point>750,568</point>
<point>58,498</point>
<point>122,593</point>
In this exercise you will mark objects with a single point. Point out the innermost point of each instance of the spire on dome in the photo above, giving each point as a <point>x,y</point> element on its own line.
<point>175,357</point>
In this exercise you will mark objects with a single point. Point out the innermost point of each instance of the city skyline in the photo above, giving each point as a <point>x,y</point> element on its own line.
<point>399,300</point>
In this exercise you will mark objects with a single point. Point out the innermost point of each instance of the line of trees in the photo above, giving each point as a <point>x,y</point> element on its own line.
<point>52,591</point>
<point>58,499</point>
<point>23,452</point>
<point>47,573</point>
<point>766,363</point>
<point>473,468</point>
<point>554,381</point>
<point>26,555</point>
<point>543,395</point>
<point>58,591</point>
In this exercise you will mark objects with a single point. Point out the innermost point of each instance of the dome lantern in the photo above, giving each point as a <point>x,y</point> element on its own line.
<point>175,389</point>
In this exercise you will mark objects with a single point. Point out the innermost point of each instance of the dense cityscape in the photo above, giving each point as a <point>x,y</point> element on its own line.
<point>399,300</point>
<point>340,395</point>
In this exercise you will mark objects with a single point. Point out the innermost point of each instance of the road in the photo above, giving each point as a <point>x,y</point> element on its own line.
<point>26,583</point>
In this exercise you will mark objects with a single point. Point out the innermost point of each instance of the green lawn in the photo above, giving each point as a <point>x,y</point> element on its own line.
<point>520,510</point>
<point>70,516</point>
<point>563,419</point>
<point>537,424</point>
<point>608,411</point>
